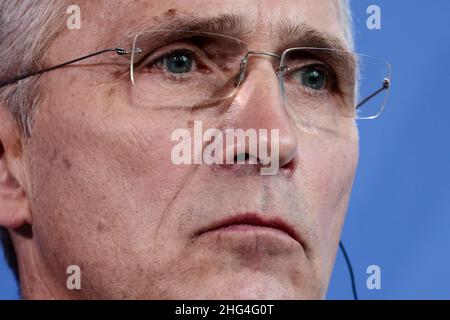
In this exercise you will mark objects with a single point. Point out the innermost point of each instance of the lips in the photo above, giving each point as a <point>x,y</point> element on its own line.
<point>254,219</point>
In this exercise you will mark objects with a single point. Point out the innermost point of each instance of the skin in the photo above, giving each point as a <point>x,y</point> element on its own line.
<point>94,185</point>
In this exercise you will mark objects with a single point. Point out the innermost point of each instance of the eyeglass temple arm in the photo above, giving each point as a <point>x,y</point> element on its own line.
<point>386,85</point>
<point>119,51</point>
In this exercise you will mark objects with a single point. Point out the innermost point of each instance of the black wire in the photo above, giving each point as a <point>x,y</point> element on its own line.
<point>35,73</point>
<point>386,85</point>
<point>350,269</point>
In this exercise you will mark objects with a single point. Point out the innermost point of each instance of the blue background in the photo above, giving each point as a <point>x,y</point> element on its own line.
<point>399,214</point>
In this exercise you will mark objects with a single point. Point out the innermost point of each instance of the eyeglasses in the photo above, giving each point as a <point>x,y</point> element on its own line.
<point>198,69</point>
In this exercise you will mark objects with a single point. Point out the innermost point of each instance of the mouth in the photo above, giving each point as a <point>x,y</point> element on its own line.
<point>253,222</point>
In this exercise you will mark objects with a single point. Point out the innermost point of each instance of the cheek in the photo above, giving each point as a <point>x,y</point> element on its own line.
<point>104,145</point>
<point>112,159</point>
<point>100,183</point>
<point>327,165</point>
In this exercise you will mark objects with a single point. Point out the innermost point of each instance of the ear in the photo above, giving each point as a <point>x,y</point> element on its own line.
<point>14,206</point>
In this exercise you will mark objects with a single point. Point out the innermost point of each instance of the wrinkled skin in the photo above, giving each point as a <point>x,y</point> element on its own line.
<point>94,185</point>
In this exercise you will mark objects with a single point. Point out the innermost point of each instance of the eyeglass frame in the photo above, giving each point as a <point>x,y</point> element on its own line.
<point>386,83</point>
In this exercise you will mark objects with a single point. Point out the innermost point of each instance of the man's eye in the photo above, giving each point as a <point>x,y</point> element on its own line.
<point>178,62</point>
<point>312,77</point>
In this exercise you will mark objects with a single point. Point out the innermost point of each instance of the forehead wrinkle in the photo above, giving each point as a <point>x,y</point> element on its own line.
<point>240,25</point>
<point>231,24</point>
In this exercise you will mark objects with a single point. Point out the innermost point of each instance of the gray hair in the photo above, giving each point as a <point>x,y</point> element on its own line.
<point>347,22</point>
<point>26,30</point>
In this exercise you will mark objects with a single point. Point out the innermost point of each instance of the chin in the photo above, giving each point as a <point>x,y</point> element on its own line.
<point>249,287</point>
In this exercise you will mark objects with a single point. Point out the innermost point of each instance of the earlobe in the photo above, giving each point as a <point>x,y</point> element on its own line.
<point>14,208</point>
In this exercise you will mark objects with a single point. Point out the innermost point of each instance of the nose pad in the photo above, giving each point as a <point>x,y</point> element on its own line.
<point>242,69</point>
<point>280,72</point>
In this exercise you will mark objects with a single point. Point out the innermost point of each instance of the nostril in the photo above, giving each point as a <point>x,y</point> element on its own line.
<point>246,158</point>
<point>290,166</point>
<point>241,158</point>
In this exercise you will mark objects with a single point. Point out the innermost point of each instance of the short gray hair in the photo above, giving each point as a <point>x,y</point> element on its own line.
<point>347,22</point>
<point>26,30</point>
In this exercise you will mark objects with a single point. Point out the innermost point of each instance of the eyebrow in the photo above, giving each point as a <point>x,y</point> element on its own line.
<point>288,32</point>
<point>303,35</point>
<point>233,25</point>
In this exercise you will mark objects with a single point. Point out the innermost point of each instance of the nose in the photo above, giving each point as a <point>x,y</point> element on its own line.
<point>258,105</point>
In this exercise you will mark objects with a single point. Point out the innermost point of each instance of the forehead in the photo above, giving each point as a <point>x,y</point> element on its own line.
<point>107,22</point>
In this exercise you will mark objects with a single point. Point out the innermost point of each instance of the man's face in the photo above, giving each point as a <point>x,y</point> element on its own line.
<point>105,195</point>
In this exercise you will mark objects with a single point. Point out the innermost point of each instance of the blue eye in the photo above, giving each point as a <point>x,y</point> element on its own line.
<point>178,62</point>
<point>312,78</point>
